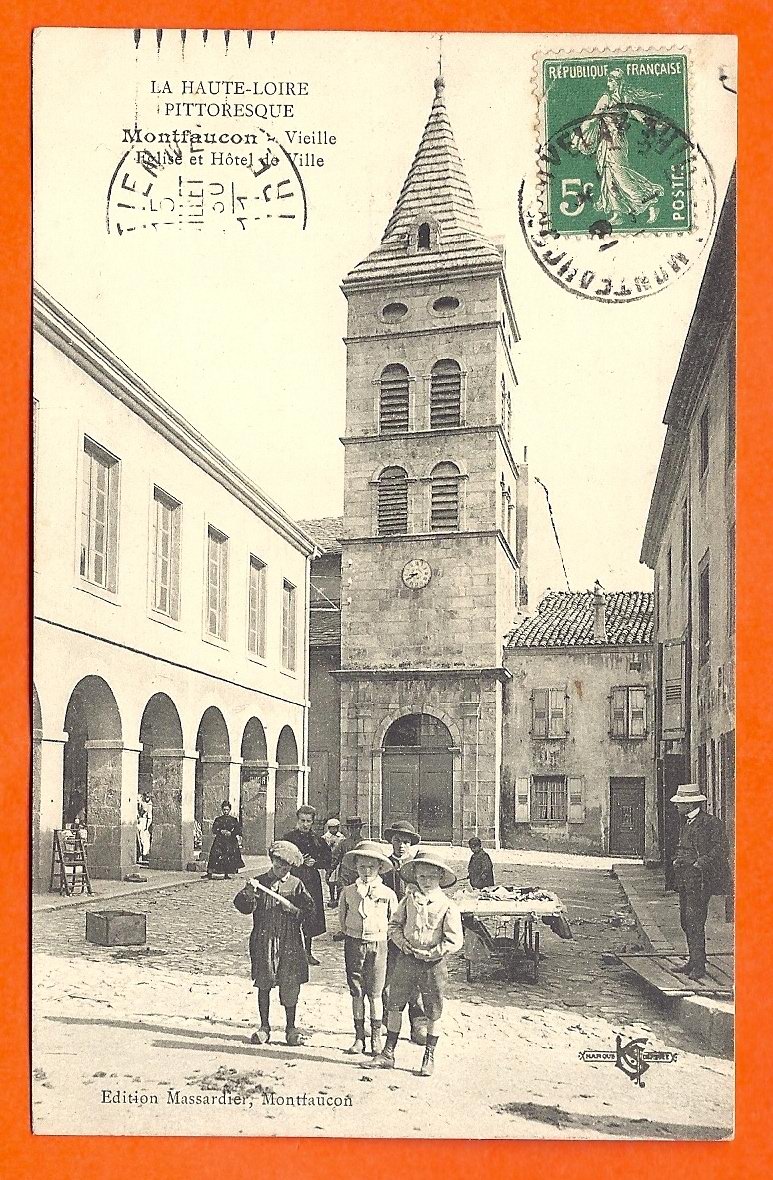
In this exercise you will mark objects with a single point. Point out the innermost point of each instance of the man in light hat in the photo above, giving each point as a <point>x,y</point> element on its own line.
<point>701,869</point>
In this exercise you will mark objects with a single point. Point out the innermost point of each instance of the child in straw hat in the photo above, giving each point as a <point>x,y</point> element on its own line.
<point>278,902</point>
<point>364,909</point>
<point>426,927</point>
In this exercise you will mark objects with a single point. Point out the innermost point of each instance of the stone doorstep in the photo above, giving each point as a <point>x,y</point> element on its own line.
<point>122,889</point>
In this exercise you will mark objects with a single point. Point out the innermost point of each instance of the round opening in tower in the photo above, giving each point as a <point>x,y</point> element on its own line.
<point>394,312</point>
<point>445,304</point>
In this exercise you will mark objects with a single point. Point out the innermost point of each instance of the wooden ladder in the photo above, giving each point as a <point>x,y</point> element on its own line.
<point>69,864</point>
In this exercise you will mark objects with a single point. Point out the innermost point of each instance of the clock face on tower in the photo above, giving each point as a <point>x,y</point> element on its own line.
<point>416,573</point>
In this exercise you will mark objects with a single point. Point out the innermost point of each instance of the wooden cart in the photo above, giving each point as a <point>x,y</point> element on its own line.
<point>506,931</point>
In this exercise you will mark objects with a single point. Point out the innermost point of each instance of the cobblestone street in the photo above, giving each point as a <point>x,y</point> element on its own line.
<point>177,1015</point>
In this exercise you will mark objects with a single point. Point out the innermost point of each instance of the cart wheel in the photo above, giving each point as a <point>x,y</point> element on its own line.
<point>535,961</point>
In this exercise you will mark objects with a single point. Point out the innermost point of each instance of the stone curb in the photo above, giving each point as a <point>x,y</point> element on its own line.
<point>712,1021</point>
<point>127,890</point>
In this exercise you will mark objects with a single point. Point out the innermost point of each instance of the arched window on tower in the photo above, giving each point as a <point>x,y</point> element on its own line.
<point>445,395</point>
<point>393,403</point>
<point>392,502</point>
<point>444,501</point>
<point>423,236</point>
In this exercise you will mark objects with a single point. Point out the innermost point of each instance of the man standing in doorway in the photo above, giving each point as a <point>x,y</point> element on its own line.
<point>701,869</point>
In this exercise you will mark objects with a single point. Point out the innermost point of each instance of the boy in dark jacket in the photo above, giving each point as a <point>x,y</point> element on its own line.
<point>480,870</point>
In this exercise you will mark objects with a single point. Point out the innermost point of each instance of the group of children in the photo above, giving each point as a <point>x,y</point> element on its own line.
<point>398,929</point>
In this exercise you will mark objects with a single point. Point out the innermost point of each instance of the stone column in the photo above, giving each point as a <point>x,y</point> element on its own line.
<point>377,790</point>
<point>171,846</point>
<point>268,829</point>
<point>104,809</point>
<point>254,783</point>
<point>216,786</point>
<point>467,823</point>
<point>49,750</point>
<point>130,768</point>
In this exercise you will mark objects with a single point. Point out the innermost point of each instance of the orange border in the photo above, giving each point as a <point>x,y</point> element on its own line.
<point>750,1154</point>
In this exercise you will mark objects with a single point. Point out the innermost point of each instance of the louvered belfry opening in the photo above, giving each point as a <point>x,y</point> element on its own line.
<point>444,508</point>
<point>392,502</point>
<point>393,406</point>
<point>445,395</point>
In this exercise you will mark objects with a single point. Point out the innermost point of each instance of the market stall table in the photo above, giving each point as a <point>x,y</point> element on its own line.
<point>515,910</point>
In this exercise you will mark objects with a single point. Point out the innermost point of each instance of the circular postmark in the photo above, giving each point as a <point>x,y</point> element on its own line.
<point>190,179</point>
<point>619,205</point>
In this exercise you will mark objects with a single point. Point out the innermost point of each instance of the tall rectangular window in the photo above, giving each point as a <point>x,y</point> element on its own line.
<point>548,718</point>
<point>628,712</point>
<point>217,583</point>
<point>704,441</point>
<point>288,626</point>
<point>548,804</point>
<point>99,516</point>
<point>256,622</point>
<point>704,610</point>
<point>685,535</point>
<point>167,515</point>
<point>669,579</point>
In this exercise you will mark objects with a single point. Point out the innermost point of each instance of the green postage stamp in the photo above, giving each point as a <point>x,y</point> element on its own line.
<point>617,150</point>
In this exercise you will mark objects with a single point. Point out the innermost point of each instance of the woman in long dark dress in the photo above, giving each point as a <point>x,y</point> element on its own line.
<point>316,856</point>
<point>278,903</point>
<point>225,855</point>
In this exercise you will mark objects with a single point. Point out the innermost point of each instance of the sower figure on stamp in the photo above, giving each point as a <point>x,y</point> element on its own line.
<point>405,841</point>
<point>426,928</point>
<point>701,869</point>
<point>316,856</point>
<point>278,902</point>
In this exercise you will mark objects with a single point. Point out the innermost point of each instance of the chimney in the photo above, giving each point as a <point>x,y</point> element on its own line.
<point>599,614</point>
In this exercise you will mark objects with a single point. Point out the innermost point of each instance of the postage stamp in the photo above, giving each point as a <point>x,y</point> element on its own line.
<point>618,130</point>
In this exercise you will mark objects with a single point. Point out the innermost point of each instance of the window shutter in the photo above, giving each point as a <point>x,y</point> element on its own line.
<point>445,395</point>
<point>393,502</point>
<point>557,727</point>
<point>522,800</point>
<point>618,728</point>
<point>539,713</point>
<point>393,407</point>
<point>672,723</point>
<point>576,801</point>
<point>637,704</point>
<point>444,498</point>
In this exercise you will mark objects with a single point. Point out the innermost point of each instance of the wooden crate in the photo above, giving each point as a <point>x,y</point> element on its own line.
<point>116,928</point>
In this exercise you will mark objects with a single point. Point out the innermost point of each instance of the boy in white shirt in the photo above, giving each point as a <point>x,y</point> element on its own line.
<point>365,908</point>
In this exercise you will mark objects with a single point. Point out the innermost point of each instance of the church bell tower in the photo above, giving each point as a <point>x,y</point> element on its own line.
<point>434,546</point>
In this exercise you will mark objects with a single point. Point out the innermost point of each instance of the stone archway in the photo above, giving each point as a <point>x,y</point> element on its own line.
<point>92,777</point>
<point>161,776</point>
<point>213,771</point>
<point>418,775</point>
<point>287,794</point>
<point>254,786</point>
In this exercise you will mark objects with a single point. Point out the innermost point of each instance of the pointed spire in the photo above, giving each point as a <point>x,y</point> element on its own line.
<point>436,188</point>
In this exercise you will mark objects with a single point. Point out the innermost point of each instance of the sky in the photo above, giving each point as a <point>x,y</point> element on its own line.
<point>242,331</point>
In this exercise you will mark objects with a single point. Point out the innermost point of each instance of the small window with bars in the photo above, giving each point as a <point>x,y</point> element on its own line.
<point>217,583</point>
<point>549,800</point>
<point>628,705</point>
<point>506,406</point>
<point>256,608</point>
<point>444,498</point>
<point>98,562</point>
<point>393,402</point>
<point>445,395</point>
<point>167,514</point>
<point>549,713</point>
<point>392,502</point>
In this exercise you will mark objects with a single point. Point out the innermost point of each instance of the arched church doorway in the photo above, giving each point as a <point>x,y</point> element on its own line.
<point>91,795</point>
<point>213,770</point>
<point>286,799</point>
<point>162,838</point>
<point>417,772</point>
<point>254,781</point>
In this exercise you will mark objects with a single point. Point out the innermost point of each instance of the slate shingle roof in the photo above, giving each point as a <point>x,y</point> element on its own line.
<point>436,185</point>
<point>565,619</point>
<point>325,533</point>
<point>324,628</point>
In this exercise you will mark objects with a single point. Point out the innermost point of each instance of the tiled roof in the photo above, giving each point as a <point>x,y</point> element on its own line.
<point>565,619</point>
<point>436,186</point>
<point>325,533</point>
<point>324,628</point>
